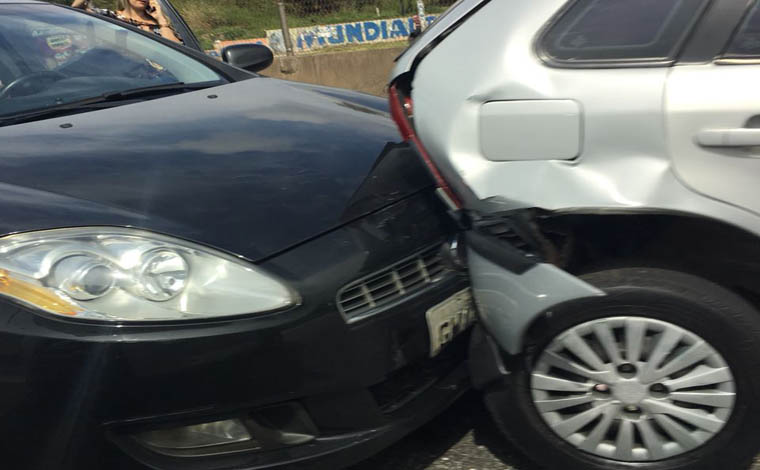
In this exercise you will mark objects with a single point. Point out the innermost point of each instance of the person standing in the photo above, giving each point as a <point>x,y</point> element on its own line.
<point>144,14</point>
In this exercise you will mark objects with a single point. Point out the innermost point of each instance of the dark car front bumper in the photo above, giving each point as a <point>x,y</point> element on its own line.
<point>72,395</point>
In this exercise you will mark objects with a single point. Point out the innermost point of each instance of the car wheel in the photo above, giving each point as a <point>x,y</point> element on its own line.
<point>662,373</point>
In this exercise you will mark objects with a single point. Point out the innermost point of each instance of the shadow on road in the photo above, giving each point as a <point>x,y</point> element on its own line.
<point>463,437</point>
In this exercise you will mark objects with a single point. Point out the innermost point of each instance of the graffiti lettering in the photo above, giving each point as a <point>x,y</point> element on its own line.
<point>317,37</point>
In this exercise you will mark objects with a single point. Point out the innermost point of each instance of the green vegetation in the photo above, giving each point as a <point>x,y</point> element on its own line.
<point>242,19</point>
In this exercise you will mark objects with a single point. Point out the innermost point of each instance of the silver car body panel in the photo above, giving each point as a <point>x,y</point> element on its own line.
<point>508,303</point>
<point>553,125</point>
<point>639,148</point>
<point>628,153</point>
<point>720,100</point>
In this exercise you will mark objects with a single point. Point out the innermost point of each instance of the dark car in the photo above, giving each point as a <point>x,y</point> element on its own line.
<point>203,268</point>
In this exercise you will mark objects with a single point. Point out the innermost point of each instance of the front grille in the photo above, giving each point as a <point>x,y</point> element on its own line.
<point>366,296</point>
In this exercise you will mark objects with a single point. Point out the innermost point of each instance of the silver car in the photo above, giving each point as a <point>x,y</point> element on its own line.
<point>603,160</point>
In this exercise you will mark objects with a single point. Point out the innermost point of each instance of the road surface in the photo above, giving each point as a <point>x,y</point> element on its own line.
<point>462,438</point>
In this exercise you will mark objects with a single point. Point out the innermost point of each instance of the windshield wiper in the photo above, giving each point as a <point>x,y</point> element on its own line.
<point>106,100</point>
<point>155,90</point>
<point>74,107</point>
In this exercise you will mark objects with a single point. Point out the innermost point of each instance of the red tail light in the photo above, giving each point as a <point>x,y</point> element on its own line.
<point>402,113</point>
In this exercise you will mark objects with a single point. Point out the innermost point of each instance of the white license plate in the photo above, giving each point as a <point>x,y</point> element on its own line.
<point>449,318</point>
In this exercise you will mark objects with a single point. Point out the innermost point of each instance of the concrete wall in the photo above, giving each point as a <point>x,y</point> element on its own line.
<point>325,36</point>
<point>363,70</point>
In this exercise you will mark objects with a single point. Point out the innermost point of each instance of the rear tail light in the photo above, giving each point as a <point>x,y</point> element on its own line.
<point>402,113</point>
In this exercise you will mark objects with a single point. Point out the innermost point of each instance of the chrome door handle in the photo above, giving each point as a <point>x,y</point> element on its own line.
<point>729,138</point>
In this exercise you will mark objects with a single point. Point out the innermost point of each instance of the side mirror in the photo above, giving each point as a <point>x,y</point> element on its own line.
<point>251,57</point>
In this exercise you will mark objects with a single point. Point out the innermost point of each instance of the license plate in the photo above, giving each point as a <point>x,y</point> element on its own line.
<point>448,319</point>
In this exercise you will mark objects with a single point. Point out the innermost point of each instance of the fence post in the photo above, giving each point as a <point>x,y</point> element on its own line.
<point>285,30</point>
<point>421,14</point>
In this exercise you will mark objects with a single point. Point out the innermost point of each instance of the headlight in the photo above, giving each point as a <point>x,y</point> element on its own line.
<point>130,275</point>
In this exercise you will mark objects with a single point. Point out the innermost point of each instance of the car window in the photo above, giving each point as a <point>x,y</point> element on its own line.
<point>621,30</point>
<point>181,28</point>
<point>746,41</point>
<point>51,56</point>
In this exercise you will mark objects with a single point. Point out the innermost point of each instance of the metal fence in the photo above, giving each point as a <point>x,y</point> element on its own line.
<point>308,25</point>
<point>317,8</point>
<point>215,21</point>
<point>326,7</point>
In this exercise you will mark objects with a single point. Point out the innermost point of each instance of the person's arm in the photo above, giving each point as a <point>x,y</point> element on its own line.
<point>167,31</point>
<point>83,4</point>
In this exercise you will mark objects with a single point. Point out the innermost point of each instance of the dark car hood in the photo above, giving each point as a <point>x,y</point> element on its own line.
<point>253,167</point>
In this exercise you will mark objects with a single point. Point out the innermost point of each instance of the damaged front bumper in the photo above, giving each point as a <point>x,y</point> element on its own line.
<point>513,287</point>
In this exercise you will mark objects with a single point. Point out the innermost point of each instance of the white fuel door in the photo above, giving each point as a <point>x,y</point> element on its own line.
<point>530,130</point>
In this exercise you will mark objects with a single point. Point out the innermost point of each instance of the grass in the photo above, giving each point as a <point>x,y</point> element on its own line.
<point>213,20</point>
<point>242,19</point>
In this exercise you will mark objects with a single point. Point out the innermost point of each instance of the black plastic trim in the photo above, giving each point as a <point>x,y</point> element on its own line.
<point>713,33</point>
<point>485,360</point>
<point>737,59</point>
<point>326,452</point>
<point>499,252</point>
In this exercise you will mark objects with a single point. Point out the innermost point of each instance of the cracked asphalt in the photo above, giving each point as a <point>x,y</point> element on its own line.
<point>462,438</point>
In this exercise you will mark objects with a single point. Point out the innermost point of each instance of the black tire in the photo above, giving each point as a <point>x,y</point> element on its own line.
<point>726,321</point>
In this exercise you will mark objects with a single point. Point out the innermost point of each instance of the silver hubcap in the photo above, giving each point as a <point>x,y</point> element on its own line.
<point>632,388</point>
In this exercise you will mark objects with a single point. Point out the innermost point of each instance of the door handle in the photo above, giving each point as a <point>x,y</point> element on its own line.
<point>729,137</point>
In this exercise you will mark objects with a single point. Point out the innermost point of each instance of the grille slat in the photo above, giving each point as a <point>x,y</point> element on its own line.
<point>435,271</point>
<point>433,266</point>
<point>388,295</point>
<point>412,275</point>
<point>353,296</point>
<point>354,303</point>
<point>415,284</point>
<point>366,296</point>
<point>380,283</point>
<point>408,270</point>
<point>358,307</point>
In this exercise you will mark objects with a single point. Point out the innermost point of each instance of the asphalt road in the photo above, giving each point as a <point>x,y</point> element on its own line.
<point>462,438</point>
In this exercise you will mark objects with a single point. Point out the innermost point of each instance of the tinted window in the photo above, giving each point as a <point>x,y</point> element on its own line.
<point>629,30</point>
<point>746,43</point>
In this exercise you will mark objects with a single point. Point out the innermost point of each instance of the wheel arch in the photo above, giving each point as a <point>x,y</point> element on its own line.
<point>590,241</point>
